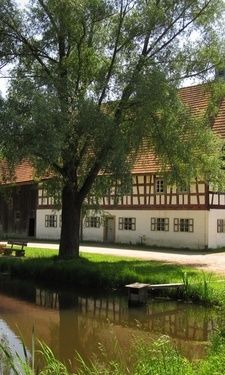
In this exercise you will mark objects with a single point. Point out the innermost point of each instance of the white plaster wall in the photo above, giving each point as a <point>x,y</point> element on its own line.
<point>93,234</point>
<point>204,228</point>
<point>197,240</point>
<point>215,239</point>
<point>43,232</point>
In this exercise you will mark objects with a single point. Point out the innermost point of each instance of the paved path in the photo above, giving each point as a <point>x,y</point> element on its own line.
<point>207,261</point>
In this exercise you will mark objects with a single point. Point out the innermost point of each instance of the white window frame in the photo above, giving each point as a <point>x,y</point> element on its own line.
<point>220,225</point>
<point>92,222</point>
<point>184,225</point>
<point>160,224</point>
<point>51,221</point>
<point>160,186</point>
<point>127,223</point>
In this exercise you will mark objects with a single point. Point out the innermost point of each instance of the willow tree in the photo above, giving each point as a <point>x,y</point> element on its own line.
<point>90,79</point>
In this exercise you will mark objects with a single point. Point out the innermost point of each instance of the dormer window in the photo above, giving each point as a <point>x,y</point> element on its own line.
<point>159,185</point>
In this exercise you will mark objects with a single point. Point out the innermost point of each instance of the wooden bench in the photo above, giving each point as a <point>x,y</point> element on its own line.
<point>19,252</point>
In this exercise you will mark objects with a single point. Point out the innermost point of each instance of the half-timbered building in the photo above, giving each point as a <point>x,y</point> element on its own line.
<point>18,202</point>
<point>153,213</point>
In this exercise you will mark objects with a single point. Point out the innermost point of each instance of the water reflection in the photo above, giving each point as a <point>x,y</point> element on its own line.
<point>70,322</point>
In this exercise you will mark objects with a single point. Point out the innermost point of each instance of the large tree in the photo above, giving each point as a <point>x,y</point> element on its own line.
<point>92,79</point>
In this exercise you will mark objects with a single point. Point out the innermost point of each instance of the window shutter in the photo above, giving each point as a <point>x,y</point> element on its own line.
<point>87,221</point>
<point>191,225</point>
<point>153,223</point>
<point>176,225</point>
<point>120,223</point>
<point>166,224</point>
<point>219,226</point>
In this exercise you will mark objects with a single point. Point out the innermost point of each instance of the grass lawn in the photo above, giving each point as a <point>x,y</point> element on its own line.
<point>103,271</point>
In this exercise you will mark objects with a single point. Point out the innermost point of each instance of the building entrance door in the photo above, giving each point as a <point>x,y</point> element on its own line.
<point>109,230</point>
<point>31,228</point>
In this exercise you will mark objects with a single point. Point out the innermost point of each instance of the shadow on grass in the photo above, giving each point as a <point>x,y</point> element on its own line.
<point>92,271</point>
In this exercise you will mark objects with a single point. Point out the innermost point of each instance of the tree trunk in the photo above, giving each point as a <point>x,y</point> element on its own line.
<point>71,210</point>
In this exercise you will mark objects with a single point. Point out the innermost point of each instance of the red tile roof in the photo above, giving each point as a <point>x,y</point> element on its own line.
<point>219,122</point>
<point>146,161</point>
<point>24,173</point>
<point>195,97</point>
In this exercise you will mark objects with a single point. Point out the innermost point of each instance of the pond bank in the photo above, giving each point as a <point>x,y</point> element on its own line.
<point>107,272</point>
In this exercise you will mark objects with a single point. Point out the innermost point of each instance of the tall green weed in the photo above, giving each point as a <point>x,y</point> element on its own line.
<point>159,357</point>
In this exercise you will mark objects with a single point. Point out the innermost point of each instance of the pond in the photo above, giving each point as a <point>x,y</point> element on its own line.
<point>84,322</point>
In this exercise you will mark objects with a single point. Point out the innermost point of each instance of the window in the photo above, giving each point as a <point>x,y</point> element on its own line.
<point>127,223</point>
<point>183,225</point>
<point>160,224</point>
<point>159,185</point>
<point>51,221</point>
<point>92,222</point>
<point>220,226</point>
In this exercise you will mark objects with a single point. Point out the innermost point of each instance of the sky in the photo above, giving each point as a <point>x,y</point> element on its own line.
<point>21,3</point>
<point>3,82</point>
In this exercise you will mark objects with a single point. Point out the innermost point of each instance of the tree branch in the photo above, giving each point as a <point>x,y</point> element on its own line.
<point>169,27</point>
<point>26,42</point>
<point>129,87</point>
<point>79,45</point>
<point>93,173</point>
<point>178,32</point>
<point>115,51</point>
<point>51,18</point>
<point>192,75</point>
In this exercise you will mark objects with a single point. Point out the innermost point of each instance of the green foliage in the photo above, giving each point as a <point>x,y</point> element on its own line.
<point>5,356</point>
<point>52,365</point>
<point>159,358</point>
<point>71,57</point>
<point>154,358</point>
<point>94,79</point>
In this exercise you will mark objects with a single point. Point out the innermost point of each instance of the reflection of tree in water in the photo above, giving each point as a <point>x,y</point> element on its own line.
<point>75,333</point>
<point>68,326</point>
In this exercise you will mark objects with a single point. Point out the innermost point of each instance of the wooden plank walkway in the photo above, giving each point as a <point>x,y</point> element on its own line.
<point>138,292</point>
<point>154,286</point>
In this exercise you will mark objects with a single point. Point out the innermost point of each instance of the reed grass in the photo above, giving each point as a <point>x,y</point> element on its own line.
<point>155,358</point>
